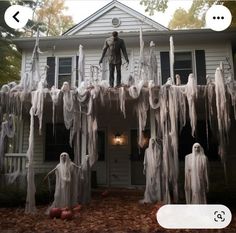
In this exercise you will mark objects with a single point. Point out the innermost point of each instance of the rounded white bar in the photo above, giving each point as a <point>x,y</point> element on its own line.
<point>194,216</point>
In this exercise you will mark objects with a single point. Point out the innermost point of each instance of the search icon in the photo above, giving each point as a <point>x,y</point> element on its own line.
<point>219,216</point>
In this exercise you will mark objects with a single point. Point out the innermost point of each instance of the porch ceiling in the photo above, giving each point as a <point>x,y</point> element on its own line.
<point>131,39</point>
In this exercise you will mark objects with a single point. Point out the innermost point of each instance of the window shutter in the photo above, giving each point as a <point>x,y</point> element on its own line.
<point>77,71</point>
<point>200,67</point>
<point>165,66</point>
<point>50,71</point>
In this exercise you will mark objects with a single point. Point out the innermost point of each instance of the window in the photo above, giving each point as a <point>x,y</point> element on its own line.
<point>64,70</point>
<point>61,72</point>
<point>101,143</point>
<point>57,143</point>
<point>183,65</point>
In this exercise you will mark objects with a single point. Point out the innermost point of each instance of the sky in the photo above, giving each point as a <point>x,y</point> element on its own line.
<point>81,9</point>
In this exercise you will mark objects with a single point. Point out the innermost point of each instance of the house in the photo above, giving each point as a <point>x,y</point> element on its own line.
<point>197,51</point>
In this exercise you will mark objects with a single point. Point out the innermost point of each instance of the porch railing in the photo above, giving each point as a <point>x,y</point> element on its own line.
<point>15,162</point>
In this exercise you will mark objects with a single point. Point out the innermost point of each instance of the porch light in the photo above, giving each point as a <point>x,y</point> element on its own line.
<point>118,140</point>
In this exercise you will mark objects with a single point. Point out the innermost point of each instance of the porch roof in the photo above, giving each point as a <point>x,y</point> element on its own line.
<point>131,38</point>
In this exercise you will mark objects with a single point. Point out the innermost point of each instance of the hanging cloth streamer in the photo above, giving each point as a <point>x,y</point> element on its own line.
<point>222,115</point>
<point>191,95</point>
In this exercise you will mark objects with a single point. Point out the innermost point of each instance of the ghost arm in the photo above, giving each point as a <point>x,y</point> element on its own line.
<point>77,166</point>
<point>49,173</point>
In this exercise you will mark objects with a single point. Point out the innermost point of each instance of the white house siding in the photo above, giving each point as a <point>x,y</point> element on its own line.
<point>214,54</point>
<point>42,62</point>
<point>104,25</point>
<point>38,157</point>
<point>115,171</point>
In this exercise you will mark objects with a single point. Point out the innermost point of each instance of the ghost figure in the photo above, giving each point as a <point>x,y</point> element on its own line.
<point>196,176</point>
<point>152,170</point>
<point>66,189</point>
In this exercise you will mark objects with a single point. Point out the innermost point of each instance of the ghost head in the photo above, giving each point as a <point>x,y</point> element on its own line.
<point>197,149</point>
<point>64,157</point>
<point>65,86</point>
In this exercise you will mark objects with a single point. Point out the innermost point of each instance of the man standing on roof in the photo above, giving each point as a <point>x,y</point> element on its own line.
<point>114,45</point>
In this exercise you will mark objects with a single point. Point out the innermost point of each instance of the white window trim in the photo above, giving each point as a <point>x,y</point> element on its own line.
<point>192,51</point>
<point>73,68</point>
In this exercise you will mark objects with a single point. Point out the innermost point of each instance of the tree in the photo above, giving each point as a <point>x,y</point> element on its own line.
<point>154,5</point>
<point>52,16</point>
<point>9,56</point>
<point>232,6</point>
<point>48,16</point>
<point>183,19</point>
<point>194,17</point>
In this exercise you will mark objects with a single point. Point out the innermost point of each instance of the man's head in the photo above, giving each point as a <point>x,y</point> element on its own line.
<point>115,34</point>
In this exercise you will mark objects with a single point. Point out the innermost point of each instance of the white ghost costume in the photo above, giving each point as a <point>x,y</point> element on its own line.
<point>196,176</point>
<point>66,189</point>
<point>152,170</point>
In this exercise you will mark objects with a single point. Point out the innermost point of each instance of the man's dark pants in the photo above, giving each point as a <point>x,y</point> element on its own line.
<point>112,71</point>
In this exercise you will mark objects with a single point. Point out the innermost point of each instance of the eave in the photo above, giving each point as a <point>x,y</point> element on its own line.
<point>131,39</point>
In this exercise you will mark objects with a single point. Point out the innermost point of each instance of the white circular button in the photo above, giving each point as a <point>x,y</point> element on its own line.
<point>17,16</point>
<point>218,18</point>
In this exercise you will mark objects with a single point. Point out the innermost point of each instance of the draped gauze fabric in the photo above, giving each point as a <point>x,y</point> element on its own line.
<point>231,87</point>
<point>153,99</point>
<point>37,100</point>
<point>196,176</point>
<point>152,62</point>
<point>122,100</point>
<point>143,66</point>
<point>65,191</point>
<point>8,129</point>
<point>169,176</point>
<point>172,59</point>
<point>37,103</point>
<point>81,65</point>
<point>55,96</point>
<point>222,112</point>
<point>191,95</point>
<point>31,189</point>
<point>84,184</point>
<point>142,107</point>
<point>68,105</point>
<point>92,130</point>
<point>152,170</point>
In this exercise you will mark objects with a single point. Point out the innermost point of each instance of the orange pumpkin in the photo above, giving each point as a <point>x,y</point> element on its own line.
<point>66,215</point>
<point>55,212</point>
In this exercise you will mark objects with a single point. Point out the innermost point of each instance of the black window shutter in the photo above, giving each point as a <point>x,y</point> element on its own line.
<point>200,66</point>
<point>50,71</point>
<point>165,66</point>
<point>77,71</point>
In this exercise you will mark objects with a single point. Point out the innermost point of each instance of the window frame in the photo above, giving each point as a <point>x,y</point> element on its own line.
<point>192,51</point>
<point>73,68</point>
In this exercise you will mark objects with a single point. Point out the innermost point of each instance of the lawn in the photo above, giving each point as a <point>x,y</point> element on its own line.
<point>118,212</point>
